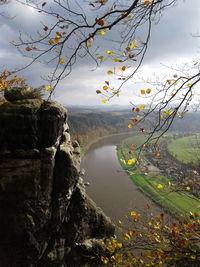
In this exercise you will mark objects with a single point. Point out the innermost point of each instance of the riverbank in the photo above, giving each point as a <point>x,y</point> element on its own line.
<point>96,139</point>
<point>158,187</point>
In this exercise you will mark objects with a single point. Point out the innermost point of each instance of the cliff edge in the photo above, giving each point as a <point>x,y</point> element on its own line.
<point>46,217</point>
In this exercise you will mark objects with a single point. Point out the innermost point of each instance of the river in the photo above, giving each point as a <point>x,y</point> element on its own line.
<point>110,187</point>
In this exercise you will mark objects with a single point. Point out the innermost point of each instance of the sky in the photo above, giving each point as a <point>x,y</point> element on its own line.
<point>172,42</point>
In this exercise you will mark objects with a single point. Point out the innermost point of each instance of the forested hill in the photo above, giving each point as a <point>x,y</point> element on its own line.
<point>87,123</point>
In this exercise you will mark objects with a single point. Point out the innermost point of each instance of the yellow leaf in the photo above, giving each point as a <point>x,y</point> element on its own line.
<point>189,84</point>
<point>61,60</point>
<point>159,186</point>
<point>48,88</point>
<point>105,87</point>
<point>157,154</point>
<point>141,106</point>
<point>187,188</point>
<point>115,59</point>
<point>161,116</point>
<point>101,58</point>
<point>130,126</point>
<point>142,92</point>
<point>105,260</point>
<point>14,43</point>
<point>102,32</point>
<point>119,245</point>
<point>131,161</point>
<point>104,100</point>
<point>88,45</point>
<point>133,213</point>
<point>51,41</point>
<point>41,35</point>
<point>133,44</point>
<point>109,72</point>
<point>168,112</point>
<point>169,81</point>
<point>175,83</point>
<point>109,52</point>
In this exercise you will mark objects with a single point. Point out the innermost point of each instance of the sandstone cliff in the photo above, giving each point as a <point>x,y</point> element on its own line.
<point>46,217</point>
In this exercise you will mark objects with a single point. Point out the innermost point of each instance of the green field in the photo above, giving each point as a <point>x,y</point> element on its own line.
<point>175,203</point>
<point>186,149</point>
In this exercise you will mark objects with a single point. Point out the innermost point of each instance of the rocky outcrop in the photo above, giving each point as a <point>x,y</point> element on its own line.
<point>46,217</point>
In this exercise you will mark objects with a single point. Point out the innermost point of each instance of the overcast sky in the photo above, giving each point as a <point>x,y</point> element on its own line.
<point>171,42</point>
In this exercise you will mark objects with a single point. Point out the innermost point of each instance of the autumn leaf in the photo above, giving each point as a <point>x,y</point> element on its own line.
<point>101,58</point>
<point>131,161</point>
<point>159,186</point>
<point>147,3</point>
<point>107,82</point>
<point>133,213</point>
<point>100,22</point>
<point>28,48</point>
<point>88,45</point>
<point>14,43</point>
<point>43,4</point>
<point>157,154</point>
<point>148,91</point>
<point>105,87</point>
<point>104,100</point>
<point>61,60</point>
<point>51,41</point>
<point>133,44</point>
<point>137,109</point>
<point>45,28</point>
<point>123,68</point>
<point>109,52</point>
<point>64,27</point>
<point>189,84</point>
<point>115,59</point>
<point>142,92</point>
<point>102,32</point>
<point>132,145</point>
<point>98,91</point>
<point>134,120</point>
<point>130,126</point>
<point>187,188</point>
<point>142,107</point>
<point>109,72</point>
<point>48,88</point>
<point>175,75</point>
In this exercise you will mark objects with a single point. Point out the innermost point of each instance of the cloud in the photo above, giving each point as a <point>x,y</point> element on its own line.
<point>171,41</point>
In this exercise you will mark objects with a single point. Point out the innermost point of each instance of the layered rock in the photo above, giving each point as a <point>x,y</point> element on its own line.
<point>46,217</point>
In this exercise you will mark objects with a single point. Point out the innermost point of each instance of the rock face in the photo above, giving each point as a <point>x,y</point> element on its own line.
<point>46,217</point>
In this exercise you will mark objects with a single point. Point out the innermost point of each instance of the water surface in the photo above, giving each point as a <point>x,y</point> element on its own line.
<point>110,187</point>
